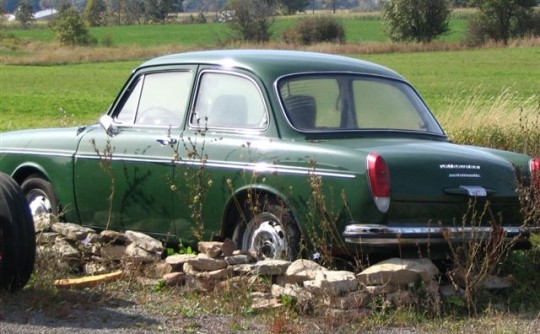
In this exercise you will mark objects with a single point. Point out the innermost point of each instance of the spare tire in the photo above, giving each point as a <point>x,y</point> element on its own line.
<point>17,236</point>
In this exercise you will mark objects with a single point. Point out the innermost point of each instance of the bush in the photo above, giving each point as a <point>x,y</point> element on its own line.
<point>69,28</point>
<point>502,20</point>
<point>315,29</point>
<point>416,20</point>
<point>252,19</point>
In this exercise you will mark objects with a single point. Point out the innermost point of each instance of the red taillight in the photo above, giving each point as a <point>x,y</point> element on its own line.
<point>534,166</point>
<point>379,181</point>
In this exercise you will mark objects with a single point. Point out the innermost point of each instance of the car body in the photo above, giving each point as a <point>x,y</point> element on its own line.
<point>265,147</point>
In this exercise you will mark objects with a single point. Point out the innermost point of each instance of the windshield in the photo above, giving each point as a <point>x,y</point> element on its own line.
<point>335,102</point>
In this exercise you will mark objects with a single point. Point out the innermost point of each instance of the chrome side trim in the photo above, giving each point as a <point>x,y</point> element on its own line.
<point>257,168</point>
<point>380,235</point>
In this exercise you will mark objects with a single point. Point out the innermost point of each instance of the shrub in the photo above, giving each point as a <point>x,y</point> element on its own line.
<point>502,20</point>
<point>252,19</point>
<point>69,28</point>
<point>416,20</point>
<point>315,29</point>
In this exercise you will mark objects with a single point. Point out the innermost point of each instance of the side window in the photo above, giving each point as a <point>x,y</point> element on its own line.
<point>228,101</point>
<point>157,99</point>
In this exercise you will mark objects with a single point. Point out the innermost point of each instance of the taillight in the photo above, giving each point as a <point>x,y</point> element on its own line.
<point>534,166</point>
<point>379,181</point>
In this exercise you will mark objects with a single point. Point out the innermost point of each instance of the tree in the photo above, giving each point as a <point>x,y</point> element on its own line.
<point>69,27</point>
<point>293,6</point>
<point>94,13</point>
<point>253,19</point>
<point>157,10</point>
<point>416,20</point>
<point>25,13</point>
<point>501,20</point>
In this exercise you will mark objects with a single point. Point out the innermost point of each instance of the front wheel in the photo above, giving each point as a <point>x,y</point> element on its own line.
<point>270,233</point>
<point>41,198</point>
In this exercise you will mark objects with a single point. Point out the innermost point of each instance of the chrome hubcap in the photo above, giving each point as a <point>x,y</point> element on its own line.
<point>266,239</point>
<point>40,206</point>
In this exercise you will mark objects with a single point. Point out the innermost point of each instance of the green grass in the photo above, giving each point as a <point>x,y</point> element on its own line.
<point>32,96</point>
<point>357,29</point>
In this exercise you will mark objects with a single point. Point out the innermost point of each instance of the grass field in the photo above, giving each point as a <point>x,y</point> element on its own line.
<point>357,30</point>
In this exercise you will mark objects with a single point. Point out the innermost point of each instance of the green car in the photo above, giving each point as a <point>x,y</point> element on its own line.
<point>274,150</point>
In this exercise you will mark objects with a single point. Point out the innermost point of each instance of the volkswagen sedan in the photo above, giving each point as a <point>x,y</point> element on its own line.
<point>274,150</point>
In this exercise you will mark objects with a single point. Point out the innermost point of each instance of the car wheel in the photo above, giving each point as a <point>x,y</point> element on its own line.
<point>41,197</point>
<point>17,236</point>
<point>272,233</point>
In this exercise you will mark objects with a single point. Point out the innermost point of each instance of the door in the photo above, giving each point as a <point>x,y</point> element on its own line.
<point>123,178</point>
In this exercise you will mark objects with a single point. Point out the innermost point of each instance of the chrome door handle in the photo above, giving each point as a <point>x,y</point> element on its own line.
<point>167,141</point>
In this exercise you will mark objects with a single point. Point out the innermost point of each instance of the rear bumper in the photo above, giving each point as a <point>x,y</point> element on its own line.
<point>382,235</point>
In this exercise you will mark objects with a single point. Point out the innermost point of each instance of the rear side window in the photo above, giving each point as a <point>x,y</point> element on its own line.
<point>228,101</point>
<point>157,99</point>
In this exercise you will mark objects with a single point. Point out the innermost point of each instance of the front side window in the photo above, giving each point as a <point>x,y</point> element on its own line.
<point>334,102</point>
<point>228,101</point>
<point>157,99</point>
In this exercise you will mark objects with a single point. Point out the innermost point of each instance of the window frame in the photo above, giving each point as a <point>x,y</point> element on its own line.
<point>194,125</point>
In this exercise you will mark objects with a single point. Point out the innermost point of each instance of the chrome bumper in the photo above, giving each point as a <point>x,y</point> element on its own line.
<point>380,235</point>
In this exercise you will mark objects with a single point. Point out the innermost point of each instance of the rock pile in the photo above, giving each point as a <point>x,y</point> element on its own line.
<point>307,282</point>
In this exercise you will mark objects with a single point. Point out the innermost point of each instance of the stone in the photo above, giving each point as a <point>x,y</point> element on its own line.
<point>111,252</point>
<point>334,283</point>
<point>145,242</point>
<point>71,231</point>
<point>292,290</point>
<point>65,250</point>
<point>45,238</point>
<point>269,267</point>
<point>398,272</point>
<point>264,301</point>
<point>110,236</point>
<point>302,270</point>
<point>161,269</point>
<point>134,252</point>
<point>228,247</point>
<point>176,261</point>
<point>174,279</point>
<point>212,249</point>
<point>215,275</point>
<point>353,300</point>
<point>203,262</point>
<point>43,222</point>
<point>238,259</point>
<point>95,268</point>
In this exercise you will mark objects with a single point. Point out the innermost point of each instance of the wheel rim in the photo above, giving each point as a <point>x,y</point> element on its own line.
<point>40,205</point>
<point>266,237</point>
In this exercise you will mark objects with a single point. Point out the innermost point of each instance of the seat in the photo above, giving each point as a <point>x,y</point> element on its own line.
<point>228,111</point>
<point>302,111</point>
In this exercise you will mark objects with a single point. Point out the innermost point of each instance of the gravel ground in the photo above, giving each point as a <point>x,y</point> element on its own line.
<point>135,309</point>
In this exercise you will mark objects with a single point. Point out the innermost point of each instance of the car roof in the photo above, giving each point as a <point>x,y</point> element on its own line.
<point>272,64</point>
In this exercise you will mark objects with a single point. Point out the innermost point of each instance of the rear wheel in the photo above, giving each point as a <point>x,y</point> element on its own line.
<point>41,197</point>
<point>17,236</point>
<point>269,233</point>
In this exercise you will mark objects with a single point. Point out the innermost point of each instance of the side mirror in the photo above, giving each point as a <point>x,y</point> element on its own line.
<point>106,122</point>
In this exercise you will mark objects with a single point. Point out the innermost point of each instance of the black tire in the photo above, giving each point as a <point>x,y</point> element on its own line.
<point>17,236</point>
<point>41,197</point>
<point>271,233</point>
